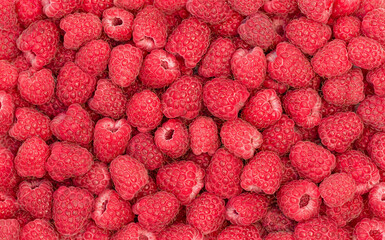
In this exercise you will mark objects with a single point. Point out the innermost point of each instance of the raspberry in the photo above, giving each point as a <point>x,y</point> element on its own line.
<point>184,179</point>
<point>93,57</point>
<point>8,176</point>
<point>91,231</point>
<point>280,6</point>
<point>224,98</point>
<point>307,35</point>
<point>170,7</point>
<point>371,113</point>
<point>71,208</point>
<point>206,213</point>
<point>180,231</point>
<point>228,28</point>
<point>361,56</point>
<point>120,72</point>
<point>9,143</point>
<point>337,189</point>
<point>9,48</point>
<point>62,56</point>
<point>223,174</point>
<point>111,212</point>
<point>183,98</point>
<point>39,42</point>
<point>346,212</point>
<point>133,231</point>
<point>345,7</point>
<point>8,75</point>
<point>96,180</point>
<point>9,229</point>
<point>373,23</point>
<point>375,78</point>
<point>249,67</point>
<point>280,236</point>
<point>159,69</point>
<point>246,7</point>
<point>376,201</point>
<point>191,32</point>
<point>339,131</point>
<point>148,189</point>
<point>203,133</point>
<point>8,15</point>
<point>240,233</point>
<point>117,23</point>
<point>376,149</point>
<point>275,221</point>
<point>371,229</point>
<point>129,5</point>
<point>7,112</point>
<point>257,30</point>
<point>96,7</point>
<point>346,28</point>
<point>39,228</point>
<point>8,206</point>
<point>319,11</point>
<point>316,228</point>
<point>75,125</point>
<point>210,11</point>
<point>288,65</point>
<point>59,8</point>
<point>29,11</point>
<point>128,175</point>
<point>172,138</point>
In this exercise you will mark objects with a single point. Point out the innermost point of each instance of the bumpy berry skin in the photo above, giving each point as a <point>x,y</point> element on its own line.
<point>38,228</point>
<point>319,227</point>
<point>30,123</point>
<point>376,204</point>
<point>224,98</point>
<point>211,11</point>
<point>39,42</point>
<point>93,57</point>
<point>8,206</point>
<point>7,112</point>
<point>345,7</point>
<point>8,175</point>
<point>128,175</point>
<point>347,212</point>
<point>184,179</point>
<point>9,229</point>
<point>372,25</point>
<point>8,75</point>
<point>129,5</point>
<point>339,131</point>
<point>288,65</point>
<point>228,28</point>
<point>71,209</point>
<point>122,32</point>
<point>299,200</point>
<point>246,7</point>
<point>206,213</point>
<point>361,168</point>
<point>346,28</point>
<point>263,173</point>
<point>92,231</point>
<point>370,229</point>
<point>223,174</point>
<point>283,235</point>
<point>8,41</point>
<point>370,112</point>
<point>376,149</point>
<point>240,232</point>
<point>337,189</point>
<point>59,8</point>
<point>74,120</point>
<point>96,7</point>
<point>249,67</point>
<point>319,11</point>
<point>257,30</point>
<point>124,65</point>
<point>170,7</point>
<point>96,180</point>
<point>312,161</point>
<point>204,138</point>
<point>375,78</point>
<point>183,98</point>
<point>366,53</point>
<point>184,36</point>
<point>180,231</point>
<point>133,231</point>
<point>62,56</point>
<point>275,221</point>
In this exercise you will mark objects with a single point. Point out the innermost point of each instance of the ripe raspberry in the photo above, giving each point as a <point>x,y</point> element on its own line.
<point>281,136</point>
<point>53,107</point>
<point>257,30</point>
<point>124,64</point>
<point>361,56</point>
<point>361,143</point>
<point>319,11</point>
<point>275,220</point>
<point>346,28</point>
<point>7,112</point>
<point>204,138</point>
<point>376,149</point>
<point>191,32</point>
<point>249,67</point>
<point>9,143</point>
<point>307,35</point>
<point>172,138</point>
<point>91,231</point>
<point>96,7</point>
<point>30,123</point>
<point>316,228</point>
<point>38,229</point>
<point>240,233</point>
<point>210,11</point>
<point>347,212</point>
<point>280,6</point>
<point>8,14</point>
<point>376,201</point>
<point>59,8</point>
<point>184,179</point>
<point>71,209</point>
<point>339,131</point>
<point>9,229</point>
<point>9,48</point>
<point>183,98</point>
<point>8,206</point>
<point>117,24</point>
<point>148,189</point>
<point>369,229</point>
<point>371,113</point>
<point>133,231</point>
<point>206,213</point>
<point>375,77</point>
<point>129,5</point>
<point>345,7</point>
<point>96,180</point>
<point>373,25</point>
<point>39,43</point>
<point>8,75</point>
<point>224,98</point>
<point>345,90</point>
<point>62,56</point>
<point>128,175</point>
<point>228,28</point>
<point>280,236</point>
<point>330,109</point>
<point>93,57</point>
<point>263,109</point>
<point>180,231</point>
<point>246,7</point>
<point>8,176</point>
<point>29,11</point>
<point>75,125</point>
<point>159,69</point>
<point>170,7</point>
<point>337,189</point>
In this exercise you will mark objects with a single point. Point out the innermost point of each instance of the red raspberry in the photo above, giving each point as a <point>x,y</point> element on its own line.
<point>129,5</point>
<point>91,231</point>
<point>275,220</point>
<point>375,77</point>
<point>29,11</point>
<point>223,174</point>
<point>120,72</point>
<point>246,7</point>
<point>170,7</point>
<point>133,231</point>
<point>9,143</point>
<point>8,176</point>
<point>361,168</point>
<point>361,56</point>
<point>330,109</point>
<point>80,28</point>
<point>304,107</point>
<point>373,25</point>
<point>246,208</point>
<point>347,212</point>
<point>62,56</point>
<point>345,90</point>
<point>281,136</point>
<point>172,138</point>
<point>204,138</point>
<point>96,180</point>
<point>376,149</point>
<point>376,202</point>
<point>345,7</point>
<point>191,32</point>
<point>93,57</point>
<point>339,131</point>
<point>8,206</point>
<point>249,67</point>
<point>9,229</point>
<point>149,188</point>
<point>184,179</point>
<point>257,30</point>
<point>96,7</point>
<point>369,5</point>
<point>210,11</point>
<point>228,28</point>
<point>8,14</point>
<point>180,231</point>
<point>128,175</point>
<point>29,123</point>
<point>59,8</point>
<point>75,125</point>
<point>159,69</point>
<point>280,236</point>
<point>117,23</point>
<point>369,229</point>
<point>346,28</point>
<point>183,98</point>
<point>71,209</point>
<point>299,200</point>
<point>361,143</point>
<point>307,35</point>
<point>38,229</point>
<point>9,49</point>
<point>39,42</point>
<point>337,189</point>
<point>263,109</point>
<point>53,107</point>
<point>206,213</point>
<point>371,113</point>
<point>224,98</point>
<point>111,212</point>
<point>8,75</point>
<point>319,11</point>
<point>240,233</point>
<point>21,63</point>
<point>280,6</point>
<point>7,112</point>
<point>316,228</point>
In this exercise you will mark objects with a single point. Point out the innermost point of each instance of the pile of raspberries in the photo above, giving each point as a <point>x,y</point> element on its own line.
<point>192,119</point>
